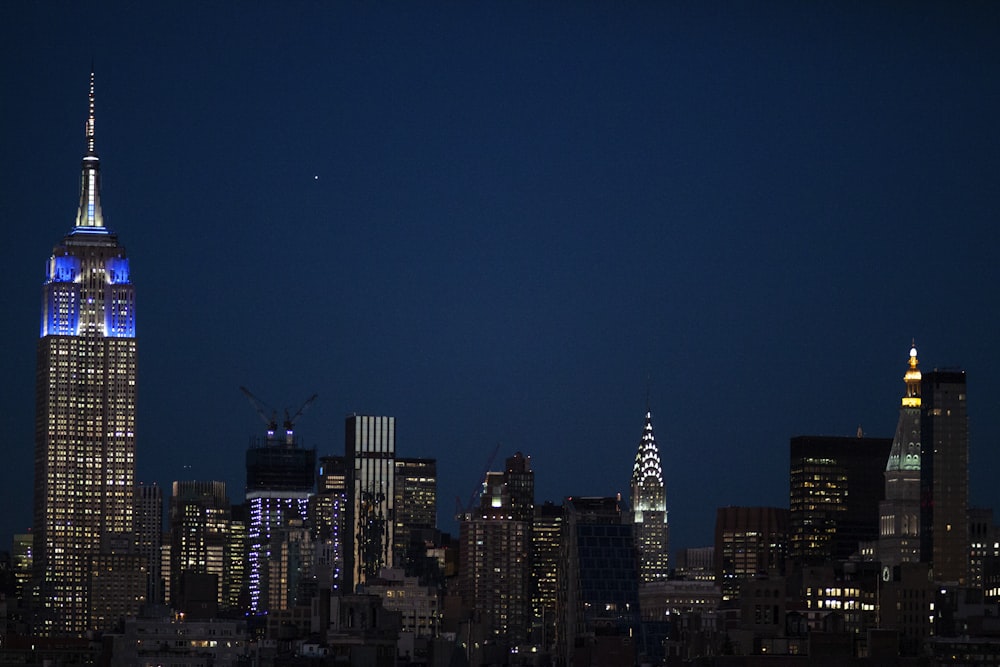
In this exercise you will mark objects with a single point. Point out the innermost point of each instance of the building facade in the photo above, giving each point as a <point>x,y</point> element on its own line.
<point>750,543</point>
<point>835,487</point>
<point>495,576</point>
<point>370,450</point>
<point>148,530</point>
<point>598,607</point>
<point>546,536</point>
<point>118,577</point>
<point>944,476</point>
<point>649,508</point>
<point>899,513</point>
<point>280,478</point>
<point>328,509</point>
<point>416,507</point>
<point>85,406</point>
<point>199,535</point>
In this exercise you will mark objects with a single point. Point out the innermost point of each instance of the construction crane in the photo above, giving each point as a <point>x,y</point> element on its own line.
<point>463,513</point>
<point>272,422</point>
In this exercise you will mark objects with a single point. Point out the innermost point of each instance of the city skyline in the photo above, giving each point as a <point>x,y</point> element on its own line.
<point>502,246</point>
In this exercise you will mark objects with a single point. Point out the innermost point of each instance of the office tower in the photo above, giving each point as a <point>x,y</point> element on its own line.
<point>598,609</point>
<point>370,450</point>
<point>984,546</point>
<point>944,476</point>
<point>148,530</point>
<point>328,510</point>
<point>899,513</point>
<point>835,486</point>
<point>546,535</point>
<point>235,592</point>
<point>21,563</point>
<point>649,508</point>
<point>280,479</point>
<point>750,543</point>
<point>495,563</point>
<point>698,563</point>
<point>416,509</point>
<point>199,536</point>
<point>906,605</point>
<point>118,578</point>
<point>85,406</point>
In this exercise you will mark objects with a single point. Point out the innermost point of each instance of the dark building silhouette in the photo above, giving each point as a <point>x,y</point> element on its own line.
<point>148,531</point>
<point>546,539</point>
<point>836,485</point>
<point>416,509</point>
<point>598,608</point>
<point>200,516</point>
<point>495,563</point>
<point>944,476</point>
<point>750,543</point>
<point>117,582</point>
<point>85,407</point>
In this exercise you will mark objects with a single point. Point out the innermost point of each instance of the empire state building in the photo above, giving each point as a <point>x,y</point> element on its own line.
<point>85,407</point>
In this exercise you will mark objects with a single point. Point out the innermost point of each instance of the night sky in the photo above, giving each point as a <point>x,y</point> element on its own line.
<point>509,222</point>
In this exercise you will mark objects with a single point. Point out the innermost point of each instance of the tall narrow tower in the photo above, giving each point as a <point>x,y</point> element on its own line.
<point>944,476</point>
<point>370,450</point>
<point>649,508</point>
<point>85,406</point>
<point>899,513</point>
<point>494,575</point>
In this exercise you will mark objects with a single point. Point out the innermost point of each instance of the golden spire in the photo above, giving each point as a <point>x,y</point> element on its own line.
<point>912,380</point>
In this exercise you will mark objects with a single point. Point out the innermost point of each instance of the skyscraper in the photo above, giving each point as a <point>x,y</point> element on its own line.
<point>370,450</point>
<point>495,564</point>
<point>546,535</point>
<point>85,406</point>
<point>649,508</point>
<point>328,511</point>
<point>598,599</point>
<point>148,530</point>
<point>944,476</point>
<point>199,536</point>
<point>280,479</point>
<point>899,513</point>
<point>416,506</point>
<point>750,543</point>
<point>835,486</point>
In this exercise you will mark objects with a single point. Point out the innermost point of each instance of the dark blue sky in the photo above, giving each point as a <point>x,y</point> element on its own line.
<point>494,221</point>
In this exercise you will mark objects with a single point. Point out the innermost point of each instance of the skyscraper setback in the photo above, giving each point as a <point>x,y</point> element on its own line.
<point>85,406</point>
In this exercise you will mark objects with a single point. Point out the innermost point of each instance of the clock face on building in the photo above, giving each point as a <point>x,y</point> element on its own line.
<point>886,573</point>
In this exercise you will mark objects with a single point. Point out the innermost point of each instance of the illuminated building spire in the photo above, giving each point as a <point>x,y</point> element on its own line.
<point>912,380</point>
<point>649,508</point>
<point>899,514</point>
<point>905,452</point>
<point>89,214</point>
<point>647,472</point>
